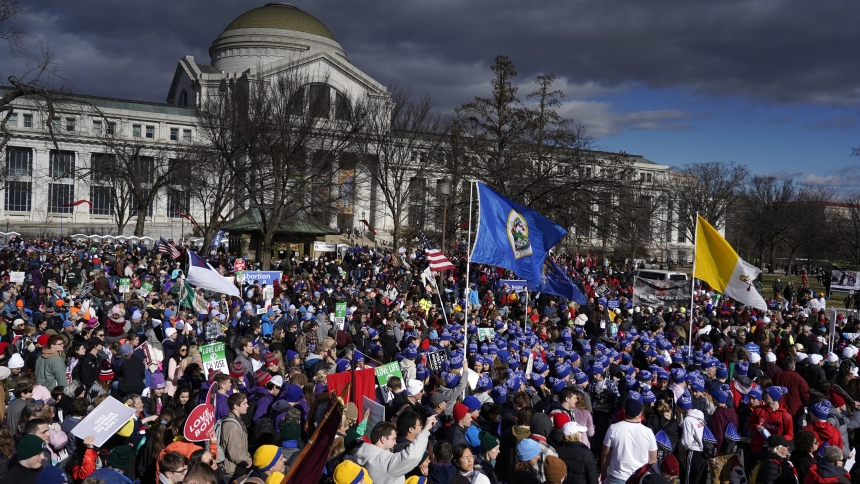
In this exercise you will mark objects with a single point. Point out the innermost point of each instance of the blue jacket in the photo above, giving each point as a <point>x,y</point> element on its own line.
<point>110,476</point>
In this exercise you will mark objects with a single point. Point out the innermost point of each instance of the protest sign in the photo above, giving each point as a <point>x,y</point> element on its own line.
<point>103,421</point>
<point>517,286</point>
<point>531,364</point>
<point>376,414</point>
<point>602,290</point>
<point>147,354</point>
<point>147,287</point>
<point>124,284</point>
<point>340,314</point>
<point>435,359</point>
<point>239,265</point>
<point>484,332</point>
<point>653,293</point>
<point>240,277</point>
<point>268,277</point>
<point>16,276</point>
<point>200,423</point>
<point>384,372</point>
<point>214,358</point>
<point>325,247</point>
<point>844,281</point>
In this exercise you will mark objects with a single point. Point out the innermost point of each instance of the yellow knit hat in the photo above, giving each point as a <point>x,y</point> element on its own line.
<point>416,480</point>
<point>275,478</point>
<point>266,456</point>
<point>348,472</point>
<point>127,429</point>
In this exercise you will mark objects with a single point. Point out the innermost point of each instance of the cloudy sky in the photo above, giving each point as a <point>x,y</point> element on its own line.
<point>773,84</point>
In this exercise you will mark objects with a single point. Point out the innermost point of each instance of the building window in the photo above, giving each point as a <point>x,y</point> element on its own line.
<point>102,165</point>
<point>135,130</point>
<point>60,194</point>
<point>13,120</point>
<point>319,100</point>
<point>70,124</point>
<point>186,135</point>
<point>341,107</point>
<point>102,200</point>
<point>18,196</point>
<point>174,134</point>
<point>19,161</point>
<point>55,124</point>
<point>144,169</point>
<point>177,200</point>
<point>62,164</point>
<point>28,120</point>
<point>183,98</point>
<point>150,132</point>
<point>97,127</point>
<point>133,204</point>
<point>111,128</point>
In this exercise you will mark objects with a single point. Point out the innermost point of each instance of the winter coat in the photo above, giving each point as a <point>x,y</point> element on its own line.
<point>798,390</point>
<point>826,432</point>
<point>131,376</point>
<point>441,473</point>
<point>775,421</point>
<point>827,473</point>
<point>18,474</point>
<point>722,417</point>
<point>693,429</point>
<point>814,375</point>
<point>89,372</point>
<point>234,441</point>
<point>657,423</point>
<point>775,469</point>
<point>386,467</point>
<point>580,461</point>
<point>50,369</point>
<point>110,476</point>
<point>841,422</point>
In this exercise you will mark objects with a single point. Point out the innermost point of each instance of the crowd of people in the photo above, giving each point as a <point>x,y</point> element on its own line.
<point>550,392</point>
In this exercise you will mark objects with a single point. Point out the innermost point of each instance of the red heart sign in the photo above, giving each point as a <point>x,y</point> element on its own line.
<point>200,423</point>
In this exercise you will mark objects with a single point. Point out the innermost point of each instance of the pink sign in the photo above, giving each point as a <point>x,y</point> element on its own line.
<point>200,423</point>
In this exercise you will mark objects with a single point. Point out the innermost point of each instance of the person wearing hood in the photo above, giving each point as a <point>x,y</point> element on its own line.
<point>266,391</point>
<point>132,372</point>
<point>772,416</point>
<point>775,466</point>
<point>829,469</point>
<point>692,443</point>
<point>824,431</point>
<point>50,369</point>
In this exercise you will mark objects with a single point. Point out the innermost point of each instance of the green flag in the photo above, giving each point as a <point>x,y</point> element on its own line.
<point>187,295</point>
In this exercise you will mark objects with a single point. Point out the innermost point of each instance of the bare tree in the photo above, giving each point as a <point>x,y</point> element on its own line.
<point>709,189</point>
<point>848,226</point>
<point>402,146</point>
<point>765,213</point>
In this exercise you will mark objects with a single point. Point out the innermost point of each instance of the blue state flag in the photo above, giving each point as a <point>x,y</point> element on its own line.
<point>555,281</point>
<point>513,236</point>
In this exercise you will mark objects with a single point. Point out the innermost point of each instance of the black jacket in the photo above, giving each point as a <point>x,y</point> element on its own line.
<point>774,469</point>
<point>89,371</point>
<point>19,474</point>
<point>131,377</point>
<point>580,461</point>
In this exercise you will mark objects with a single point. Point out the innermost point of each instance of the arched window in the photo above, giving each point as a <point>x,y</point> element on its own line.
<point>317,100</point>
<point>183,98</point>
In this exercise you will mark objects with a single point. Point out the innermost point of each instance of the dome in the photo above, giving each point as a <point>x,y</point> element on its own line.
<point>283,16</point>
<point>268,34</point>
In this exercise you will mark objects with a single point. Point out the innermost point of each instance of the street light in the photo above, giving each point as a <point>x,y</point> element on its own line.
<point>443,188</point>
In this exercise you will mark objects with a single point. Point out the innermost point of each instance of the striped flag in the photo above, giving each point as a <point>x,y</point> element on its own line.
<point>166,247</point>
<point>438,261</point>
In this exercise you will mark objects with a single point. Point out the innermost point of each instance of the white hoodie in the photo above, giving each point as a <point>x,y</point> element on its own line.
<point>692,432</point>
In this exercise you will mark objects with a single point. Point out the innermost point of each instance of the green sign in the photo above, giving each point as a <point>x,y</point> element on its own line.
<point>214,358</point>
<point>340,314</point>
<point>146,286</point>
<point>384,372</point>
<point>124,284</point>
<point>483,333</point>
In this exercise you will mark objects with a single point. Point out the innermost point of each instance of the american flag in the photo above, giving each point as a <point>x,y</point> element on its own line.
<point>166,247</point>
<point>438,261</point>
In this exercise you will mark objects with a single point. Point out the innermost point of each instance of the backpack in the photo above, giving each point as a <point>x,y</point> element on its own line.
<point>754,477</point>
<point>302,345</point>
<point>264,430</point>
<point>709,443</point>
<point>222,455</point>
<point>730,439</point>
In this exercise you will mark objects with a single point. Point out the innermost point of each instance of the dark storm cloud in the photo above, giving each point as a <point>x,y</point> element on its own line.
<point>787,51</point>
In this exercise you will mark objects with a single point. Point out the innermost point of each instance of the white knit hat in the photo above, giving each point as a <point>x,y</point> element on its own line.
<point>414,387</point>
<point>815,358</point>
<point>801,356</point>
<point>755,358</point>
<point>770,357</point>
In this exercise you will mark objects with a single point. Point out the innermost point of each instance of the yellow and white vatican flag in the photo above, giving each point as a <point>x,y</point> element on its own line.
<point>717,263</point>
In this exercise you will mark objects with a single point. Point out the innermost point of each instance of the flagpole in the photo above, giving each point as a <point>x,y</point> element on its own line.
<point>693,289</point>
<point>469,254</point>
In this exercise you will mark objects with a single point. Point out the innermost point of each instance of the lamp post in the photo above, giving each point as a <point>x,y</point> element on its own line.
<point>362,229</point>
<point>443,188</point>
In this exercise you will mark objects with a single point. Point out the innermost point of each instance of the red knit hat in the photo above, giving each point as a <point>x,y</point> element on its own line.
<point>559,419</point>
<point>262,376</point>
<point>836,399</point>
<point>106,373</point>
<point>237,370</point>
<point>213,374</point>
<point>270,359</point>
<point>670,466</point>
<point>460,411</point>
<point>43,340</point>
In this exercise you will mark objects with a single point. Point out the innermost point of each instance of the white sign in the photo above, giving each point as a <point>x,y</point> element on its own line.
<point>325,247</point>
<point>103,421</point>
<point>16,277</point>
<point>376,414</point>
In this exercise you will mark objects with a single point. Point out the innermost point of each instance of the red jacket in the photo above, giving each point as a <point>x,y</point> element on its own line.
<point>826,432</point>
<point>798,390</point>
<point>775,421</point>
<point>826,473</point>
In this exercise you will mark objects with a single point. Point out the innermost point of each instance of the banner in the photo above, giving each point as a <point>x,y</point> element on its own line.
<point>653,293</point>
<point>517,286</point>
<point>214,358</point>
<point>124,284</point>
<point>376,415</point>
<point>16,276</point>
<point>365,385</point>
<point>325,247</point>
<point>484,332</point>
<point>384,372</point>
<point>844,281</point>
<point>268,277</point>
<point>104,421</point>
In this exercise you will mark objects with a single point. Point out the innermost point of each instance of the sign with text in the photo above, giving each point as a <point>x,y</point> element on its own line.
<point>340,314</point>
<point>239,265</point>
<point>147,287</point>
<point>653,293</point>
<point>484,333</point>
<point>376,414</point>
<point>844,281</point>
<point>602,290</point>
<point>16,276</point>
<point>384,372</point>
<point>103,421</point>
<point>124,284</point>
<point>325,247</point>
<point>515,285</point>
<point>214,358</point>
<point>267,277</point>
<point>200,423</point>
<point>435,359</point>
